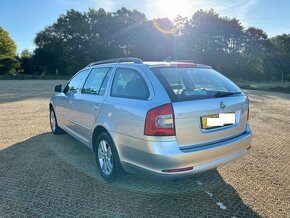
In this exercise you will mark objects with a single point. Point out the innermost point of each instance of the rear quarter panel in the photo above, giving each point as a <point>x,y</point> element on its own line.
<point>127,116</point>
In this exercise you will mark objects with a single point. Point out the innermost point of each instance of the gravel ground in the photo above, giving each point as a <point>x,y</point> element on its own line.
<point>46,175</point>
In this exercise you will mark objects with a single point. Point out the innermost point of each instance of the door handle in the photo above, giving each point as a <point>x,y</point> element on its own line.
<point>96,107</point>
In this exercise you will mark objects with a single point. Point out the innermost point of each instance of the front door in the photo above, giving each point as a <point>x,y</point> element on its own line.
<point>66,101</point>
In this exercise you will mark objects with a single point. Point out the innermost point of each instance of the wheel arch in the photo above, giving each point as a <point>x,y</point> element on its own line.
<point>51,105</point>
<point>97,131</point>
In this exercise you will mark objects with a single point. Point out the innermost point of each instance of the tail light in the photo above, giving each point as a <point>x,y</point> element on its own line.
<point>160,121</point>
<point>248,115</point>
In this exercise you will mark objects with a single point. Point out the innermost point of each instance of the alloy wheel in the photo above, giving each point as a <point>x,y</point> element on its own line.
<point>105,157</point>
<point>52,121</point>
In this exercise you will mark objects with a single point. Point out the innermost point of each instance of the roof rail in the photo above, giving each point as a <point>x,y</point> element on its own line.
<point>117,60</point>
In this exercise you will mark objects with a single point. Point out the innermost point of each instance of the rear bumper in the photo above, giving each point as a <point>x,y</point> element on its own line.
<point>151,158</point>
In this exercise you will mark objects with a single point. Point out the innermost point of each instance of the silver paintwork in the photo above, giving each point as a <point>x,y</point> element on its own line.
<point>80,114</point>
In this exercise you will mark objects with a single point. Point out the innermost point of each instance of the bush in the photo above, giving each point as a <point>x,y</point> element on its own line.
<point>8,65</point>
<point>279,89</point>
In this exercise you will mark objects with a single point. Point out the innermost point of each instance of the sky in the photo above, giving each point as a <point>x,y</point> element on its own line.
<point>23,19</point>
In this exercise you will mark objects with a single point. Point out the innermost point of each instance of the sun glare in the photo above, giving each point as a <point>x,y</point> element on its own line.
<point>169,9</point>
<point>172,8</point>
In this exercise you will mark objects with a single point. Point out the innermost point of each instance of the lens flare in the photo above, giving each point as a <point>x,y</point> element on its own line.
<point>162,29</point>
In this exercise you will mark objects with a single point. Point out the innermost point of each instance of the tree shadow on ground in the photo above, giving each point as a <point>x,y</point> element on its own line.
<point>50,176</point>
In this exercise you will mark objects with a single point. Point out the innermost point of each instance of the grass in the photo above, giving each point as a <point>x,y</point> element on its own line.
<point>266,86</point>
<point>32,77</point>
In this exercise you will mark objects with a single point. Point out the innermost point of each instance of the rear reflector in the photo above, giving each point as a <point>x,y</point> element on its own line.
<point>160,121</point>
<point>177,170</point>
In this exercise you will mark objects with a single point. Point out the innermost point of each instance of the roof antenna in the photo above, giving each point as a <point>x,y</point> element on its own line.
<point>168,59</point>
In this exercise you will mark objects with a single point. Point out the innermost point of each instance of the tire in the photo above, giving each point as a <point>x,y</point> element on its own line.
<point>108,162</point>
<point>55,129</point>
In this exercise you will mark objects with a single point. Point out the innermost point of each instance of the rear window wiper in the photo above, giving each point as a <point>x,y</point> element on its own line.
<point>224,94</point>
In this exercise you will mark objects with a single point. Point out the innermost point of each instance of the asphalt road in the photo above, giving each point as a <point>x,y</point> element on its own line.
<point>55,176</point>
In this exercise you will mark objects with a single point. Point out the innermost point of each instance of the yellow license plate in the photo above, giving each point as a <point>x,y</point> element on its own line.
<point>204,120</point>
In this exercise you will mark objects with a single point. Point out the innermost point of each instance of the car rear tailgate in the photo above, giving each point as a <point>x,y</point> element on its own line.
<point>189,131</point>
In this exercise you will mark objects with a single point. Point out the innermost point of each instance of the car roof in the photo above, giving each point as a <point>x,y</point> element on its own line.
<point>150,64</point>
<point>153,64</point>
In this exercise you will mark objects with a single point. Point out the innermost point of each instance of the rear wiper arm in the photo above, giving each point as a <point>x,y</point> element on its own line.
<point>224,94</point>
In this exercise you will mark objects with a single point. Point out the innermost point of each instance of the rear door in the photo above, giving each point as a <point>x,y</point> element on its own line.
<point>88,103</point>
<point>198,95</point>
<point>124,110</point>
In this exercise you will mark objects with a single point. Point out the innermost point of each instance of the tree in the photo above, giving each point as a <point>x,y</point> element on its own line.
<point>281,56</point>
<point>8,61</point>
<point>61,46</point>
<point>256,52</point>
<point>152,40</point>
<point>27,63</point>
<point>78,38</point>
<point>8,65</point>
<point>216,41</point>
<point>7,45</point>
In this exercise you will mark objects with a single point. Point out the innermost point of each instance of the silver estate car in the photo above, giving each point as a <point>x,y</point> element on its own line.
<point>164,119</point>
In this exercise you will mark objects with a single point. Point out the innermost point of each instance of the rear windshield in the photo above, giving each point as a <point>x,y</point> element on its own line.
<point>194,83</point>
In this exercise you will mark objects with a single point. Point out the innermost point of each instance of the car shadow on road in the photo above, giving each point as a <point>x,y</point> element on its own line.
<point>50,175</point>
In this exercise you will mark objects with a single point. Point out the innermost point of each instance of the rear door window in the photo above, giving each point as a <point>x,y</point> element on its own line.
<point>129,83</point>
<point>96,82</point>
<point>194,83</point>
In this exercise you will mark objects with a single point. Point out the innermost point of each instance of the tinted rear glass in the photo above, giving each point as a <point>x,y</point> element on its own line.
<point>194,83</point>
<point>129,83</point>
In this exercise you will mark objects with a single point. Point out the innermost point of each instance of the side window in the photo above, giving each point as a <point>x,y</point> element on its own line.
<point>96,80</point>
<point>105,83</point>
<point>77,82</point>
<point>129,83</point>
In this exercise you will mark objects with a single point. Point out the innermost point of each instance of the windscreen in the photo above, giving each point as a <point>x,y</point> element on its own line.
<point>194,83</point>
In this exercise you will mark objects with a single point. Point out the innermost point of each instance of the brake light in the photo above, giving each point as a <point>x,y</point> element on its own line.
<point>186,65</point>
<point>160,121</point>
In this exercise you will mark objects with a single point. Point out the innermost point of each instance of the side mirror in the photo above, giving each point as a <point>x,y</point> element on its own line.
<point>58,88</point>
